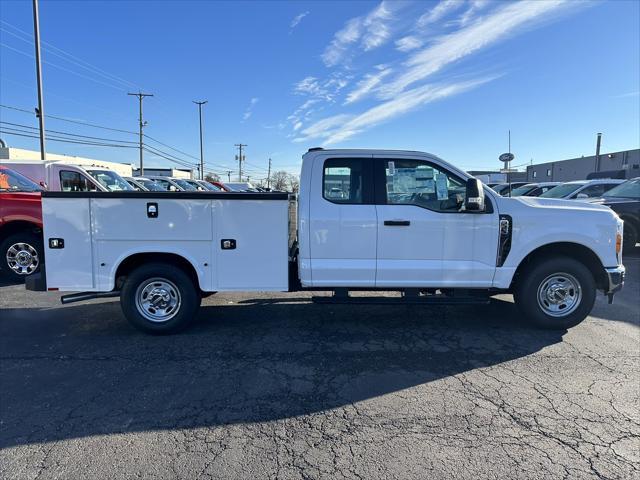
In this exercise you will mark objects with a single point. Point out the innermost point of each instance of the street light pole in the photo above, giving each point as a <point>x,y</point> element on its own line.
<point>40,112</point>
<point>201,154</point>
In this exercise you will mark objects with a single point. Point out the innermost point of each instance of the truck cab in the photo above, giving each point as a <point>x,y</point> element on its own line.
<point>59,176</point>
<point>374,220</point>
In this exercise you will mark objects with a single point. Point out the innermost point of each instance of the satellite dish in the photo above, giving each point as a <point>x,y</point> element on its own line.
<point>506,157</point>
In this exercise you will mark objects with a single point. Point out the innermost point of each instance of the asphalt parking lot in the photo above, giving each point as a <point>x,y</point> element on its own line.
<point>278,387</point>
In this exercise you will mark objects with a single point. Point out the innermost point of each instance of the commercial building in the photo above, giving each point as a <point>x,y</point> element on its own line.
<point>624,164</point>
<point>10,153</point>
<point>165,172</point>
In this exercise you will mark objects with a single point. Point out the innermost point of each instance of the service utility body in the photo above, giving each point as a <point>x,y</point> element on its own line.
<point>375,220</point>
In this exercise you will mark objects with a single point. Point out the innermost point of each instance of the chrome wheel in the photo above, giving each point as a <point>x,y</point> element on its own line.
<point>559,294</point>
<point>22,258</point>
<point>158,300</point>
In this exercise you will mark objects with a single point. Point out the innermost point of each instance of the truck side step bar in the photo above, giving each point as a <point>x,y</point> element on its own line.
<point>82,296</point>
<point>409,297</point>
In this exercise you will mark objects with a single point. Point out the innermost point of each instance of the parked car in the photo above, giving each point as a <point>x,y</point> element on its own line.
<point>504,188</point>
<point>57,175</point>
<point>582,189</point>
<point>221,186</point>
<point>20,225</point>
<point>168,184</point>
<point>240,187</point>
<point>209,186</point>
<point>404,220</point>
<point>533,189</point>
<point>624,199</point>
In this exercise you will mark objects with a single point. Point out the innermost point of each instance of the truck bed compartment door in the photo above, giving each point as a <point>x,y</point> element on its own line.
<point>68,243</point>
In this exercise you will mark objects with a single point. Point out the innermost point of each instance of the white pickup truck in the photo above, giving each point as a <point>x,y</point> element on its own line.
<point>373,220</point>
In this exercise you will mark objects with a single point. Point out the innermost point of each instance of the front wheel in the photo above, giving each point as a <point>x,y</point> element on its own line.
<point>21,255</point>
<point>159,298</point>
<point>557,293</point>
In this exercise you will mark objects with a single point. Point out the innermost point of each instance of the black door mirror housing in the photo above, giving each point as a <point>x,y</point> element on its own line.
<point>474,200</point>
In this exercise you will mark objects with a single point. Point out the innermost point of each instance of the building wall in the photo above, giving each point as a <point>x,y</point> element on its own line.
<point>11,153</point>
<point>579,168</point>
<point>165,172</point>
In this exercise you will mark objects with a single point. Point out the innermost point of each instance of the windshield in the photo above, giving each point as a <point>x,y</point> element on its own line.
<point>516,192</point>
<point>209,186</point>
<point>151,185</point>
<point>561,191</point>
<point>186,185</point>
<point>628,189</point>
<point>13,181</point>
<point>110,180</point>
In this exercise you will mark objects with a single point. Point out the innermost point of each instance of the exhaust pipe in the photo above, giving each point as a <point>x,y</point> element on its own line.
<point>81,297</point>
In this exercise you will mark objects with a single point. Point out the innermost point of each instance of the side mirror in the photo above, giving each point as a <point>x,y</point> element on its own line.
<point>474,201</point>
<point>43,184</point>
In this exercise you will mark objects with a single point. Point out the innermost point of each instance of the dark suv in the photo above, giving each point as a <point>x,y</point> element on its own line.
<point>624,199</point>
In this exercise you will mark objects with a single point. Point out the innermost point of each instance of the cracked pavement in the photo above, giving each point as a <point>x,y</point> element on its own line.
<point>275,387</point>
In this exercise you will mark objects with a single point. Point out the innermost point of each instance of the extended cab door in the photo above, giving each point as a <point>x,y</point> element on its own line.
<point>425,239</point>
<point>342,223</point>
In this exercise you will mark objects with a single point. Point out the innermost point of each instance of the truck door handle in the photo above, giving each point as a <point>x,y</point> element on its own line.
<point>397,223</point>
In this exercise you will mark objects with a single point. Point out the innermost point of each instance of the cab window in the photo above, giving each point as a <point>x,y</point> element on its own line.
<point>74,182</point>
<point>344,181</point>
<point>416,182</point>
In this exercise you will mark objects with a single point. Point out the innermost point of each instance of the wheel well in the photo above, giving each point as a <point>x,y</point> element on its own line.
<point>18,226</point>
<point>131,263</point>
<point>576,251</point>
<point>629,220</point>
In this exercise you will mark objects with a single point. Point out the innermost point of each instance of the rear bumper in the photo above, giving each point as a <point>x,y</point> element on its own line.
<point>615,279</point>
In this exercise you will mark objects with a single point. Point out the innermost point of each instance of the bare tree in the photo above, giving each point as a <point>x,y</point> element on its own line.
<point>280,180</point>
<point>294,183</point>
<point>212,177</point>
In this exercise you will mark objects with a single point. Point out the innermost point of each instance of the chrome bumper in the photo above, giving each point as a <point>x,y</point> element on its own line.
<point>615,280</point>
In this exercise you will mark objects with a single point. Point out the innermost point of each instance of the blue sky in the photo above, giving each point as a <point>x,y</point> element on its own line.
<point>449,77</point>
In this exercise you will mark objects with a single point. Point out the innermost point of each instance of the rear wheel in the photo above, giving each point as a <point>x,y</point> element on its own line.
<point>159,298</point>
<point>557,293</point>
<point>21,255</point>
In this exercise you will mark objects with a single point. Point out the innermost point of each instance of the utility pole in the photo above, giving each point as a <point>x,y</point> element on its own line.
<point>40,109</point>
<point>201,155</point>
<point>269,175</point>
<point>142,124</point>
<point>240,159</point>
<point>228,175</point>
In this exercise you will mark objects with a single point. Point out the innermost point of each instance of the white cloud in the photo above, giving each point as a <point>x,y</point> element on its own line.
<point>342,127</point>
<point>369,31</point>
<point>443,8</point>
<point>469,14</point>
<point>408,43</point>
<point>249,111</point>
<point>297,19</point>
<point>367,84</point>
<point>452,47</point>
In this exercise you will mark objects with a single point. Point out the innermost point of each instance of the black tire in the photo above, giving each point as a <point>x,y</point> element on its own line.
<point>9,267</point>
<point>536,274</point>
<point>170,283</point>
<point>630,237</point>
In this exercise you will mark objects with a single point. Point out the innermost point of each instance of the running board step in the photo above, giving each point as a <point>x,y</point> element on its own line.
<point>438,299</point>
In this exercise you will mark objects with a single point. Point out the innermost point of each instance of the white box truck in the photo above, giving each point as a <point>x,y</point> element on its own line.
<point>366,220</point>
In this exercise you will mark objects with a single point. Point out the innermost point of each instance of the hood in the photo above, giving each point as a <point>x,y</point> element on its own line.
<point>558,203</point>
<point>614,200</point>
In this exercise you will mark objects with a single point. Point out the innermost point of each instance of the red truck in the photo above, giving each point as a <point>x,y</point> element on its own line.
<point>21,251</point>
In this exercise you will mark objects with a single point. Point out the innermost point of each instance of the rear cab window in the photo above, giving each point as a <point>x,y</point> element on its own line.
<point>71,181</point>
<point>348,181</point>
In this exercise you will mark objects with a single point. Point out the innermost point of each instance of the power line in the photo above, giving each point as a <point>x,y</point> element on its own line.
<point>69,120</point>
<point>48,130</point>
<point>13,131</point>
<point>60,53</point>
